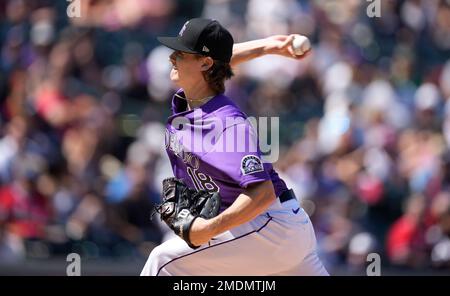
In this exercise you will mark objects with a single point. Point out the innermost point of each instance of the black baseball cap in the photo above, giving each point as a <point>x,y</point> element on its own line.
<point>202,36</point>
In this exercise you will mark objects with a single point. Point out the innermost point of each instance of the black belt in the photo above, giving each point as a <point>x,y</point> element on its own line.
<point>287,195</point>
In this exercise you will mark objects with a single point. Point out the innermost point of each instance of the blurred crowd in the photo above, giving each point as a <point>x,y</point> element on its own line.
<point>365,123</point>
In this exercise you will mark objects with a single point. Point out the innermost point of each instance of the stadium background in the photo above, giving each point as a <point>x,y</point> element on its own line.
<point>365,127</point>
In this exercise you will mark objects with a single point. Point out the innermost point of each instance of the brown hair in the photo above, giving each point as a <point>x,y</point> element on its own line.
<point>216,75</point>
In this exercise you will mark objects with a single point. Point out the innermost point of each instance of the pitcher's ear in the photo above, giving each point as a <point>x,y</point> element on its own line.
<point>207,64</point>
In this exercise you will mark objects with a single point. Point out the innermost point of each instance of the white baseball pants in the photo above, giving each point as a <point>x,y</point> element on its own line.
<point>279,242</point>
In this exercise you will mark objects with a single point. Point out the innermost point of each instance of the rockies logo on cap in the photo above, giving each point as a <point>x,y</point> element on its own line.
<point>183,28</point>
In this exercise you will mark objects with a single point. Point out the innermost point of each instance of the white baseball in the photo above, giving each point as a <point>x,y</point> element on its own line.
<point>301,44</point>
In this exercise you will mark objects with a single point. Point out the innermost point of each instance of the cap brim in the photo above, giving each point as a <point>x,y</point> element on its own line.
<point>175,43</point>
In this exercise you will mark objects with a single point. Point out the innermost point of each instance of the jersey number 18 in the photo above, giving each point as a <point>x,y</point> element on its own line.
<point>202,181</point>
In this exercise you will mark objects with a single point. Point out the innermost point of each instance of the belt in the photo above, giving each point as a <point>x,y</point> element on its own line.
<point>287,195</point>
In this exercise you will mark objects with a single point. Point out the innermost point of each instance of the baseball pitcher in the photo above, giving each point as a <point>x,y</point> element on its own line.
<point>231,211</point>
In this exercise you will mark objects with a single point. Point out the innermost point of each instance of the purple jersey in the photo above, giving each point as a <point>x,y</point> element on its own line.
<point>206,150</point>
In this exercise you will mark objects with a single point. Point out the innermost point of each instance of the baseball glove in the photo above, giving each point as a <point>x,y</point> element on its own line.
<point>182,205</point>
